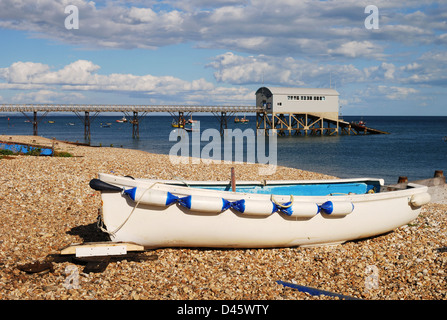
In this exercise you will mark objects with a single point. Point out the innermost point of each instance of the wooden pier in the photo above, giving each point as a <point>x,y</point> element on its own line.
<point>356,128</point>
<point>309,125</point>
<point>279,123</point>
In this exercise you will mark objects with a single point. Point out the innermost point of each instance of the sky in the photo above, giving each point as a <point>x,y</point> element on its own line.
<point>389,59</point>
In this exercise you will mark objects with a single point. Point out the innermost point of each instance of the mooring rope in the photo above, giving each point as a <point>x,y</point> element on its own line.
<point>112,233</point>
<point>281,205</point>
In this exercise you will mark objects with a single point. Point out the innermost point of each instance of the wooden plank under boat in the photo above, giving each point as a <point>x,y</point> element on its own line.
<point>160,213</point>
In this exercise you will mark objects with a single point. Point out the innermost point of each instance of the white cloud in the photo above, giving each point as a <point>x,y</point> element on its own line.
<point>47,96</point>
<point>323,28</point>
<point>288,42</point>
<point>42,84</point>
<point>235,69</point>
<point>429,69</point>
<point>356,49</point>
<point>22,72</point>
<point>396,93</point>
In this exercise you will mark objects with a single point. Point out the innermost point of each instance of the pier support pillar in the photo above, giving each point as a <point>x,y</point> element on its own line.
<point>35,120</point>
<point>35,123</point>
<point>135,121</point>
<point>223,122</point>
<point>86,120</point>
<point>87,134</point>
<point>135,126</point>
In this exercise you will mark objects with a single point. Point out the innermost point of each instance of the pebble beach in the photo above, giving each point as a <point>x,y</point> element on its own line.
<point>46,204</point>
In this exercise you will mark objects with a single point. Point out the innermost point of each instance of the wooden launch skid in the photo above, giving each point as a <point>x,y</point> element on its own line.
<point>97,255</point>
<point>308,125</point>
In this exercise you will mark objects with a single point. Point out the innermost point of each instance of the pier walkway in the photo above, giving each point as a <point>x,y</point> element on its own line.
<point>282,124</point>
<point>134,112</point>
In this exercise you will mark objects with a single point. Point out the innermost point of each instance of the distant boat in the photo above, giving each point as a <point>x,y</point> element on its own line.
<point>123,119</point>
<point>106,125</point>
<point>360,123</point>
<point>243,120</point>
<point>50,121</point>
<point>180,124</point>
<point>190,120</point>
<point>71,124</point>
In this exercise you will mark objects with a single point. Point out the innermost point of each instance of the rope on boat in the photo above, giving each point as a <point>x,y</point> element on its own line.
<point>112,233</point>
<point>283,206</point>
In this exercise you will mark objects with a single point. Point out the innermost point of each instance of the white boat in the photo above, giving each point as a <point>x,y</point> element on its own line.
<point>123,119</point>
<point>159,213</point>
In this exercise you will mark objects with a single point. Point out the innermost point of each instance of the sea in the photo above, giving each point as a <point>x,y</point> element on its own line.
<point>415,147</point>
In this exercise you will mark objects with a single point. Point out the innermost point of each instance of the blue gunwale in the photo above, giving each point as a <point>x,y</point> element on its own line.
<point>308,189</point>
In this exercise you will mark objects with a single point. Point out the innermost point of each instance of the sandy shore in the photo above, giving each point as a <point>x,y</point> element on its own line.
<point>46,204</point>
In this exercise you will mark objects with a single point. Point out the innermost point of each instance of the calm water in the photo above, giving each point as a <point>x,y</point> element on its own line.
<point>415,148</point>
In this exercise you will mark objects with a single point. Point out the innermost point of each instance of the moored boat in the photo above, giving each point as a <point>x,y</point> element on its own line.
<point>159,213</point>
<point>122,120</point>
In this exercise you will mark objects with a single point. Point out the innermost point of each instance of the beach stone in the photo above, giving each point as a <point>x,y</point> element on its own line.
<point>47,205</point>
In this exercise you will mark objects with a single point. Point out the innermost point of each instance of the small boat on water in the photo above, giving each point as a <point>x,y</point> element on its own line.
<point>360,123</point>
<point>166,213</point>
<point>191,121</point>
<point>243,120</point>
<point>176,124</point>
<point>123,119</point>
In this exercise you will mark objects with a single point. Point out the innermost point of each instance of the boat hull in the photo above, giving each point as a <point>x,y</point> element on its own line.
<point>156,225</point>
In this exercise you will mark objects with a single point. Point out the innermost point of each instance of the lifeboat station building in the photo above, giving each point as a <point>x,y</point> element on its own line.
<point>308,111</point>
